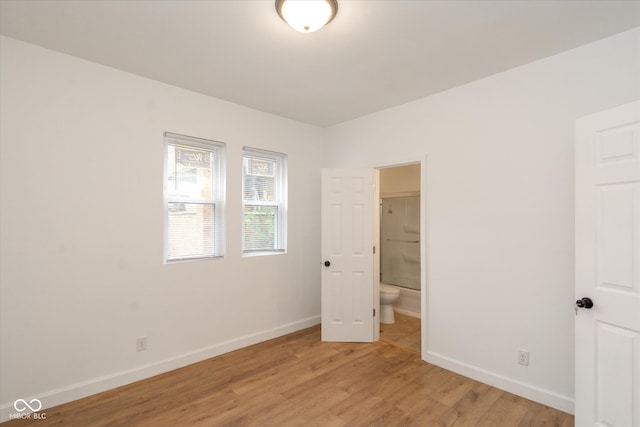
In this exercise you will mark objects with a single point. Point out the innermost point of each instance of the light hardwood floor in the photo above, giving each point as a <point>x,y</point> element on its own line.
<point>404,332</point>
<point>297,380</point>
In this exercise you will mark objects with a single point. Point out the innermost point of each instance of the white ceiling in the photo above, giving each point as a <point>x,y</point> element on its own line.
<point>375,54</point>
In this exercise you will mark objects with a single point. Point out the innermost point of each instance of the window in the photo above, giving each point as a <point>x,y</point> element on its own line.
<point>194,198</point>
<point>264,201</point>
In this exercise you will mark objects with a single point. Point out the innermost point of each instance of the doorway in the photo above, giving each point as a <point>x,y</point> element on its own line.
<point>399,259</point>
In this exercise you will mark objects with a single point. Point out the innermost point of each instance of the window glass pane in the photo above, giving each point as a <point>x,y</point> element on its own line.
<point>259,179</point>
<point>189,172</point>
<point>260,227</point>
<point>194,183</point>
<point>191,230</point>
<point>264,190</point>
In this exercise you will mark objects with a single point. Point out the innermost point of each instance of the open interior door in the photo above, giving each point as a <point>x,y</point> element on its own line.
<point>607,358</point>
<point>348,288</point>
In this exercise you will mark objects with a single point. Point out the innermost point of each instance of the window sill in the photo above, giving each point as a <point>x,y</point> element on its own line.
<point>263,253</point>
<point>191,259</point>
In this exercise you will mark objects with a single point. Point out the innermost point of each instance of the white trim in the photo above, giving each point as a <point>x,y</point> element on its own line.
<point>528,391</point>
<point>218,151</point>
<point>82,389</point>
<point>425,271</point>
<point>281,204</point>
<point>405,161</point>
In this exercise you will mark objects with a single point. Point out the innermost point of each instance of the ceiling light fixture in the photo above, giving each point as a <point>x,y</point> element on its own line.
<point>307,16</point>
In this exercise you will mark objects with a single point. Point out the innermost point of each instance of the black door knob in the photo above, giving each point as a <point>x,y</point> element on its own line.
<point>327,263</point>
<point>584,303</point>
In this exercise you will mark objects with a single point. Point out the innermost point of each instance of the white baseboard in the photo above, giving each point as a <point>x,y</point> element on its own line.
<point>77,391</point>
<point>528,391</point>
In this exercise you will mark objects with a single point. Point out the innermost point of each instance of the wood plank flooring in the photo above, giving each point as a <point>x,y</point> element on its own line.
<point>297,380</point>
<point>404,332</point>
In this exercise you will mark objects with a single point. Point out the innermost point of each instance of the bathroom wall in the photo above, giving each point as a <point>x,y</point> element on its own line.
<point>498,185</point>
<point>82,272</point>
<point>400,180</point>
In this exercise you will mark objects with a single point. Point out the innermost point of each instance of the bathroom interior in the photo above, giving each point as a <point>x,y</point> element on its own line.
<point>400,256</point>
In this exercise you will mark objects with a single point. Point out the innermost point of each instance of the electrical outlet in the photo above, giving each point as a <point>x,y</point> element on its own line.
<point>523,357</point>
<point>141,343</point>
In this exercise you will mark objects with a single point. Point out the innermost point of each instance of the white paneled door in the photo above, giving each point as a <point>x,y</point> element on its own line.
<point>347,255</point>
<point>607,376</point>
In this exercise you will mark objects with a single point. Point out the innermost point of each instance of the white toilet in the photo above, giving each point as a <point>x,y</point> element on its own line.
<point>388,295</point>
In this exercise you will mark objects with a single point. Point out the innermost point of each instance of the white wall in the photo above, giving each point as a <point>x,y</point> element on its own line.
<point>82,271</point>
<point>499,208</point>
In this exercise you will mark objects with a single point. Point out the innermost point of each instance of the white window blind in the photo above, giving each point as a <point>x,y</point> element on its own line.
<point>193,193</point>
<point>264,196</point>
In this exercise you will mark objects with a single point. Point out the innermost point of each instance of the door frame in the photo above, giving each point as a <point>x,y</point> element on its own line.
<point>424,247</point>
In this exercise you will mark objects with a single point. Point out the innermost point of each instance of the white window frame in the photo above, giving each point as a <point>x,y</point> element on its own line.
<point>281,188</point>
<point>218,150</point>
